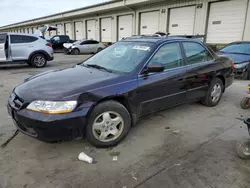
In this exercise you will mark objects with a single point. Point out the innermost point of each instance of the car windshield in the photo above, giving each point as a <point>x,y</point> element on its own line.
<point>121,57</point>
<point>77,42</point>
<point>243,48</point>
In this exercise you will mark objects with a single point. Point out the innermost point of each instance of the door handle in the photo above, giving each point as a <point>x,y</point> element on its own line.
<point>30,46</point>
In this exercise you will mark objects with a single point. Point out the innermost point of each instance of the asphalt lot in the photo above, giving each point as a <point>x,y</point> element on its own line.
<point>200,155</point>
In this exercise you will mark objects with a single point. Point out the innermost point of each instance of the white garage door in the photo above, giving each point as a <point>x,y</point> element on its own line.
<point>226,21</point>
<point>106,30</point>
<point>125,26</point>
<point>149,22</point>
<point>68,30</point>
<point>60,30</point>
<point>46,35</point>
<point>30,31</point>
<point>181,21</point>
<point>78,30</point>
<point>52,33</point>
<point>91,29</point>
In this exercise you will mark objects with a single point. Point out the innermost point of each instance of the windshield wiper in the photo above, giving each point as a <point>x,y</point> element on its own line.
<point>98,67</point>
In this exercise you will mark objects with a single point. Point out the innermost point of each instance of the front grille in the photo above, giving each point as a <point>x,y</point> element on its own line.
<point>16,102</point>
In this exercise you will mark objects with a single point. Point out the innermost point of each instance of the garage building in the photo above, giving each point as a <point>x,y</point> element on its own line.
<point>221,21</point>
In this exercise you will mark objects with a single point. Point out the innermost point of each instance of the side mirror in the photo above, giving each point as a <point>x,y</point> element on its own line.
<point>155,67</point>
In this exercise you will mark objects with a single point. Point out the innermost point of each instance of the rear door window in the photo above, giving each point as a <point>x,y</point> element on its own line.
<point>93,42</point>
<point>15,39</point>
<point>196,53</point>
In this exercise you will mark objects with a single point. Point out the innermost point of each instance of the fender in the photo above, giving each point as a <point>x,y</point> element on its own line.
<point>39,52</point>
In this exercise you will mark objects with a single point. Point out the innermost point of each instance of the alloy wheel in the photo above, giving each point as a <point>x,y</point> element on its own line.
<point>108,126</point>
<point>216,92</point>
<point>39,61</point>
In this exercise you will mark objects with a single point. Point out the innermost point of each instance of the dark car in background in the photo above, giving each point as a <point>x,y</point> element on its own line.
<point>239,53</point>
<point>105,95</point>
<point>57,42</point>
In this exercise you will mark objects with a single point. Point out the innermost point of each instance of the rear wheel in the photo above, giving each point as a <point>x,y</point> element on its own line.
<point>98,50</point>
<point>214,93</point>
<point>75,51</point>
<point>244,103</point>
<point>108,124</point>
<point>38,60</point>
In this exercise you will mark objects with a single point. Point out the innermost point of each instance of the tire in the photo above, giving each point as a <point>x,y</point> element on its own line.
<point>98,50</point>
<point>243,150</point>
<point>244,103</point>
<point>112,134</point>
<point>75,51</point>
<point>65,51</point>
<point>209,100</point>
<point>38,60</point>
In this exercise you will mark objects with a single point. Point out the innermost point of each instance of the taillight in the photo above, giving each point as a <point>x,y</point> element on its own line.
<point>49,44</point>
<point>233,65</point>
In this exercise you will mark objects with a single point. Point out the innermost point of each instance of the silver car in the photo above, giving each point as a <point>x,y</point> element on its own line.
<point>24,48</point>
<point>83,47</point>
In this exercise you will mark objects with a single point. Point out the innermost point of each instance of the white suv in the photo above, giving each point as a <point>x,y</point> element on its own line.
<point>24,48</point>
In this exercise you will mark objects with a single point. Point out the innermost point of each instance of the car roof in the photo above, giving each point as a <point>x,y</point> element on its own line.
<point>21,34</point>
<point>157,40</point>
<point>239,42</point>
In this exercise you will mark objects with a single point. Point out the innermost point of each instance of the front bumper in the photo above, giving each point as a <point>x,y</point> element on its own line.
<point>240,71</point>
<point>67,50</point>
<point>48,127</point>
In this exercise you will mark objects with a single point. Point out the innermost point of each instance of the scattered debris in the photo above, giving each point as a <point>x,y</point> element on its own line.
<point>86,148</point>
<point>115,158</point>
<point>1,134</point>
<point>114,155</point>
<point>83,157</point>
<point>176,132</point>
<point>178,164</point>
<point>133,175</point>
<point>12,137</point>
<point>167,127</point>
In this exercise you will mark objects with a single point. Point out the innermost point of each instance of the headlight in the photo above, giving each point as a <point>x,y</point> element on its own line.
<point>241,65</point>
<point>52,107</point>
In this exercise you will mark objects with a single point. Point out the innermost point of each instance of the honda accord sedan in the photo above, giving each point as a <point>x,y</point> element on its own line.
<point>239,53</point>
<point>101,98</point>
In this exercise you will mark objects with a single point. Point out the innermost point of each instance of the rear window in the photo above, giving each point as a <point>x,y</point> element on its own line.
<point>237,48</point>
<point>22,39</point>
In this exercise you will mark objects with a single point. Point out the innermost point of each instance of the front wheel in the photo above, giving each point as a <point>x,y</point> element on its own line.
<point>243,150</point>
<point>75,52</point>
<point>38,60</point>
<point>108,124</point>
<point>214,93</point>
<point>244,103</point>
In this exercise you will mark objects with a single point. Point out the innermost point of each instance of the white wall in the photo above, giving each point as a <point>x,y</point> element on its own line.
<point>139,6</point>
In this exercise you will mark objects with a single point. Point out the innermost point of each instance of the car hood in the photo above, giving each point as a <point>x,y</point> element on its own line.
<point>60,84</point>
<point>236,58</point>
<point>67,45</point>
